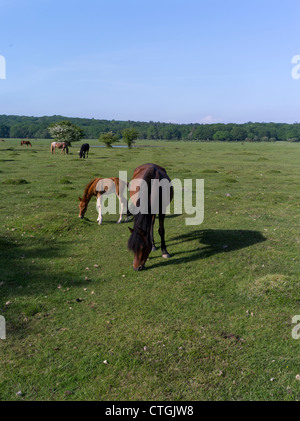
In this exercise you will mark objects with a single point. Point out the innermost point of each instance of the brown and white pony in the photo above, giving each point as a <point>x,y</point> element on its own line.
<point>60,145</point>
<point>100,186</point>
<point>26,142</point>
<point>141,240</point>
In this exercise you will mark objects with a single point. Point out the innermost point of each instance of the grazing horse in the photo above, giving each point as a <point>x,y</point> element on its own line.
<point>141,240</point>
<point>26,142</point>
<point>2,140</point>
<point>60,145</point>
<point>84,150</point>
<point>100,186</point>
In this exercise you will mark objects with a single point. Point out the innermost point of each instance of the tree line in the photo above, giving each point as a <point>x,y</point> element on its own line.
<point>12,126</point>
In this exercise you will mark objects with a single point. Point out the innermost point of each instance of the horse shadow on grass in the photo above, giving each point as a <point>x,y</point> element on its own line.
<point>26,271</point>
<point>27,275</point>
<point>211,242</point>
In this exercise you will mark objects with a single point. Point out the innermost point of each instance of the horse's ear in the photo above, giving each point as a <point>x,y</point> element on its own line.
<point>79,199</point>
<point>131,230</point>
<point>142,232</point>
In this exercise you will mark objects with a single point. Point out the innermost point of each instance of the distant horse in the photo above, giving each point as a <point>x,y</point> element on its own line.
<point>100,186</point>
<point>26,142</point>
<point>2,140</point>
<point>60,145</point>
<point>141,240</point>
<point>84,150</point>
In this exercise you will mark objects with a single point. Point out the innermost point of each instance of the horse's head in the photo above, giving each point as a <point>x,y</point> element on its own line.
<point>82,207</point>
<point>139,242</point>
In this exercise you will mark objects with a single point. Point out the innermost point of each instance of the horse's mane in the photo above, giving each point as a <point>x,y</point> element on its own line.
<point>87,187</point>
<point>142,221</point>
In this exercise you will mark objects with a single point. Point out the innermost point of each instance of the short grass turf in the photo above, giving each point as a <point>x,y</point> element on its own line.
<point>214,322</point>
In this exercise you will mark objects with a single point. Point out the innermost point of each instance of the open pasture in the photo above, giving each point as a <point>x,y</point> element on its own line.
<point>214,322</point>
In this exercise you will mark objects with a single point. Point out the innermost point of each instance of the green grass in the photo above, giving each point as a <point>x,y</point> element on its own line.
<point>211,323</point>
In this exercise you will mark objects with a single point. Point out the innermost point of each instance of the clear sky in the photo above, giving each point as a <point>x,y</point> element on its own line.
<point>177,61</point>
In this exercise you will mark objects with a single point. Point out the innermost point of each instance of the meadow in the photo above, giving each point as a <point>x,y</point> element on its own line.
<point>214,322</point>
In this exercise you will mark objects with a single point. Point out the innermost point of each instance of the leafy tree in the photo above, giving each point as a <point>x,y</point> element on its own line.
<point>152,132</point>
<point>108,139</point>
<point>221,135</point>
<point>238,133</point>
<point>65,131</point>
<point>37,127</point>
<point>130,135</point>
<point>4,130</point>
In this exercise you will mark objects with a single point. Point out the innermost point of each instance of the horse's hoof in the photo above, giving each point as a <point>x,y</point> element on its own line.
<point>166,256</point>
<point>154,248</point>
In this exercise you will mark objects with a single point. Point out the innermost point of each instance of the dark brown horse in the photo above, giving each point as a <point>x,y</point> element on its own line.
<point>151,200</point>
<point>2,140</point>
<point>26,142</point>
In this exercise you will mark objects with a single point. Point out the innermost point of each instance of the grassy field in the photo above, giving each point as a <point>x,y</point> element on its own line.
<point>214,322</point>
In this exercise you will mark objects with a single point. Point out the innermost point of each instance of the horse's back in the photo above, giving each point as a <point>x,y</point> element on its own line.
<point>107,185</point>
<point>150,171</point>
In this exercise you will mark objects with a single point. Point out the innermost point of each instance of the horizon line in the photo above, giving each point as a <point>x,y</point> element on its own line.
<point>144,121</point>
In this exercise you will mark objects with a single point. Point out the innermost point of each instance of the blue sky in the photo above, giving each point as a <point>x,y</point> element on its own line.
<point>177,61</point>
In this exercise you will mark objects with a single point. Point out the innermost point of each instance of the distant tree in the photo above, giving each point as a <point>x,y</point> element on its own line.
<point>238,133</point>
<point>64,131</point>
<point>221,135</point>
<point>293,139</point>
<point>32,127</point>
<point>152,132</point>
<point>130,135</point>
<point>4,130</point>
<point>108,139</point>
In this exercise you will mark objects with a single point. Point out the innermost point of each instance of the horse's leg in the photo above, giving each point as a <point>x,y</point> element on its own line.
<point>161,232</point>
<point>151,234</point>
<point>121,201</point>
<point>129,214</point>
<point>99,203</point>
